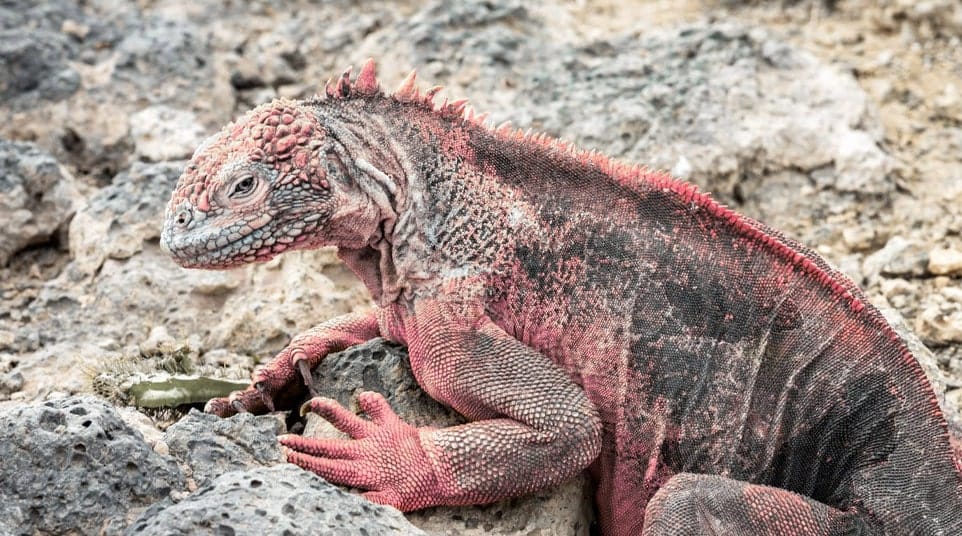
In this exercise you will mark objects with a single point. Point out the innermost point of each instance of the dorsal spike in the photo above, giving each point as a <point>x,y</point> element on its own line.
<point>366,83</point>
<point>343,88</point>
<point>469,113</point>
<point>504,127</point>
<point>457,107</point>
<point>481,118</point>
<point>329,87</point>
<point>405,91</point>
<point>429,95</point>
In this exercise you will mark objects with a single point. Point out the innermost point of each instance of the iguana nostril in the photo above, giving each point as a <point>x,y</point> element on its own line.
<point>183,217</point>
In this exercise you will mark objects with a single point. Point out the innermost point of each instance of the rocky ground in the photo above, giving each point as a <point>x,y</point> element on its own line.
<point>839,122</point>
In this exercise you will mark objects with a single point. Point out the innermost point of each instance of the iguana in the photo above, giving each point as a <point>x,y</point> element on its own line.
<point>715,376</point>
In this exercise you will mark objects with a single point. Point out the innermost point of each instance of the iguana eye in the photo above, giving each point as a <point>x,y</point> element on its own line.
<point>243,187</point>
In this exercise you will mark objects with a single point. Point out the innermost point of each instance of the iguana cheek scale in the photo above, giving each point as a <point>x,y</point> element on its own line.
<point>715,376</point>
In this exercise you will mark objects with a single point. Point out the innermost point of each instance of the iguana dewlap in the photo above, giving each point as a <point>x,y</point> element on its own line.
<point>715,376</point>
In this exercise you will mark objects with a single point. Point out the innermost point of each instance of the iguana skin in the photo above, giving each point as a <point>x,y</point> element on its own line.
<point>715,376</point>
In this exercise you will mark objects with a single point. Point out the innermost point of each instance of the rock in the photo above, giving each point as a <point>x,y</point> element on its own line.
<point>945,261</point>
<point>37,196</point>
<point>476,44</point>
<point>162,50</point>
<point>272,500</point>
<point>212,446</point>
<point>10,382</point>
<point>273,59</point>
<point>75,29</point>
<point>282,298</point>
<point>121,217</point>
<point>383,367</point>
<point>761,124</point>
<point>35,66</point>
<point>925,19</point>
<point>859,238</point>
<point>73,466</point>
<point>949,103</point>
<point>899,293</point>
<point>898,258</point>
<point>164,133</point>
<point>939,321</point>
<point>125,60</point>
<point>565,510</point>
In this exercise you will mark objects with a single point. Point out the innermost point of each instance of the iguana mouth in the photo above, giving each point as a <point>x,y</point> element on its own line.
<point>185,238</point>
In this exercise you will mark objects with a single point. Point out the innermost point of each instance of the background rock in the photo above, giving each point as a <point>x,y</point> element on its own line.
<point>37,197</point>
<point>272,500</point>
<point>212,446</point>
<point>755,121</point>
<point>72,465</point>
<point>36,67</point>
<point>164,133</point>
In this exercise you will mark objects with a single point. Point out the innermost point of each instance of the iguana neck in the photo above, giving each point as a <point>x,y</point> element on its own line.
<point>432,195</point>
<point>376,173</point>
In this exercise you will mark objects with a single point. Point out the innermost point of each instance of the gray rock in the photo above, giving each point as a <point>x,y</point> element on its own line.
<point>46,15</point>
<point>892,254</point>
<point>35,68</point>
<point>104,61</point>
<point>757,122</point>
<point>37,196</point>
<point>10,382</point>
<point>162,49</point>
<point>272,500</point>
<point>72,465</point>
<point>121,217</point>
<point>383,367</point>
<point>475,36</point>
<point>212,446</point>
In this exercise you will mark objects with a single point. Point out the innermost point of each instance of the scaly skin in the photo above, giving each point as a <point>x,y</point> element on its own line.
<point>714,375</point>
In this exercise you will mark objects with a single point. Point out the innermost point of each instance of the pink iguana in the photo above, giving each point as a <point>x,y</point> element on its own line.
<point>715,376</point>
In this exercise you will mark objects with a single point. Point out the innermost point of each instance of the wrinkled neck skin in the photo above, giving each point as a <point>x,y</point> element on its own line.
<point>426,188</point>
<point>376,188</point>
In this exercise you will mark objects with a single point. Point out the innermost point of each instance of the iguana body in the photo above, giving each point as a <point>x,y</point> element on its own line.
<point>716,376</point>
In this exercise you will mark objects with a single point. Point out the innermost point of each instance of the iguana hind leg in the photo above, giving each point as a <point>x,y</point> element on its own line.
<point>690,504</point>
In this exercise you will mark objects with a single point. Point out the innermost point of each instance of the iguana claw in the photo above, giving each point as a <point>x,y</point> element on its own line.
<point>305,369</point>
<point>238,406</point>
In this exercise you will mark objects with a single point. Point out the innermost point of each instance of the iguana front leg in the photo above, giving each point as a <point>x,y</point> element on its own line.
<point>692,504</point>
<point>534,426</point>
<point>286,379</point>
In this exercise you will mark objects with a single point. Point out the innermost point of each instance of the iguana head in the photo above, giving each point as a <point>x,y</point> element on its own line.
<point>299,174</point>
<point>258,187</point>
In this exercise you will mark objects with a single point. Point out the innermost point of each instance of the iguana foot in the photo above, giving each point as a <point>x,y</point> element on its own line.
<point>277,385</point>
<point>384,455</point>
